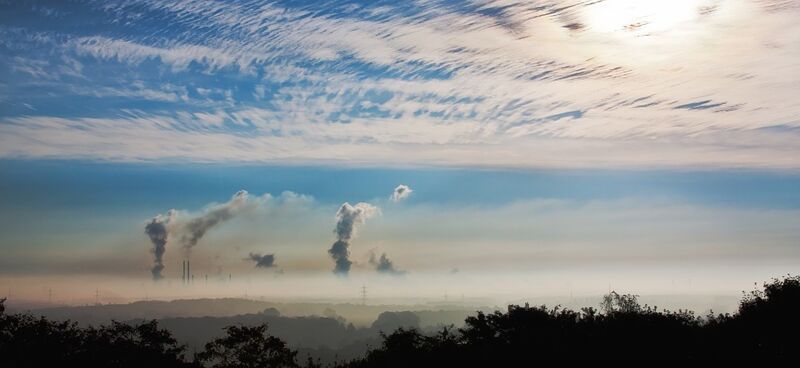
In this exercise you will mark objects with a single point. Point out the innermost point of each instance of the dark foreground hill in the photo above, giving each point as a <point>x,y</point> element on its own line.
<point>764,331</point>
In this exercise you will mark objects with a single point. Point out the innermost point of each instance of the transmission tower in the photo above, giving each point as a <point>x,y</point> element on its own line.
<point>363,295</point>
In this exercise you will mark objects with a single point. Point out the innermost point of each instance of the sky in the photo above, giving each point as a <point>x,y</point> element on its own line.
<point>539,148</point>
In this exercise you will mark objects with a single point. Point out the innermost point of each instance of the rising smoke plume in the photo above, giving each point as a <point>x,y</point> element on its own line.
<point>156,229</point>
<point>400,193</point>
<point>195,228</point>
<point>190,230</point>
<point>384,265</point>
<point>265,261</point>
<point>347,218</point>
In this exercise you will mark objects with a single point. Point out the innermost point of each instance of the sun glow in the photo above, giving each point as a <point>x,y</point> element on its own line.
<point>639,16</point>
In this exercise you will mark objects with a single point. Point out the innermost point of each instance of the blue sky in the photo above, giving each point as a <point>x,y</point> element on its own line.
<point>533,135</point>
<point>70,184</point>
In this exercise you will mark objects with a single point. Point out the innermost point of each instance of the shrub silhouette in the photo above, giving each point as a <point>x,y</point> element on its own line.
<point>144,344</point>
<point>246,347</point>
<point>613,302</point>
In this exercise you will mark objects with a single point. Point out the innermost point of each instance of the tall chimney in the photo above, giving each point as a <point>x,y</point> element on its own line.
<point>188,271</point>
<point>183,272</point>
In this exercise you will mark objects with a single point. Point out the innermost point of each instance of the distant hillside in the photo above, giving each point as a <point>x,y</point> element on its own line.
<point>357,314</point>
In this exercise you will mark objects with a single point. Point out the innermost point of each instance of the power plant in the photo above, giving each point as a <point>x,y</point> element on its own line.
<point>187,278</point>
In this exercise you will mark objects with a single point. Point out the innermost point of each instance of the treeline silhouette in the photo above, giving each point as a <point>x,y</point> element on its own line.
<point>765,331</point>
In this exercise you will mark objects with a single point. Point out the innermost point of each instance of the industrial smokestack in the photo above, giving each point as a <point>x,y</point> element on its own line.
<point>189,271</point>
<point>347,218</point>
<point>189,230</point>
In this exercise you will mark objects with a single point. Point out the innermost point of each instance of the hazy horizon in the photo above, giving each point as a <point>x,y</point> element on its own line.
<point>485,151</point>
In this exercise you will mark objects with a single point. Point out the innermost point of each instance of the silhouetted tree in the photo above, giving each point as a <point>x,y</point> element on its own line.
<point>245,346</point>
<point>140,345</point>
<point>27,341</point>
<point>311,363</point>
<point>626,303</point>
<point>767,325</point>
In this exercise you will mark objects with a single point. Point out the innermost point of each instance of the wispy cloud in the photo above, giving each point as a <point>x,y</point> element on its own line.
<point>489,83</point>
